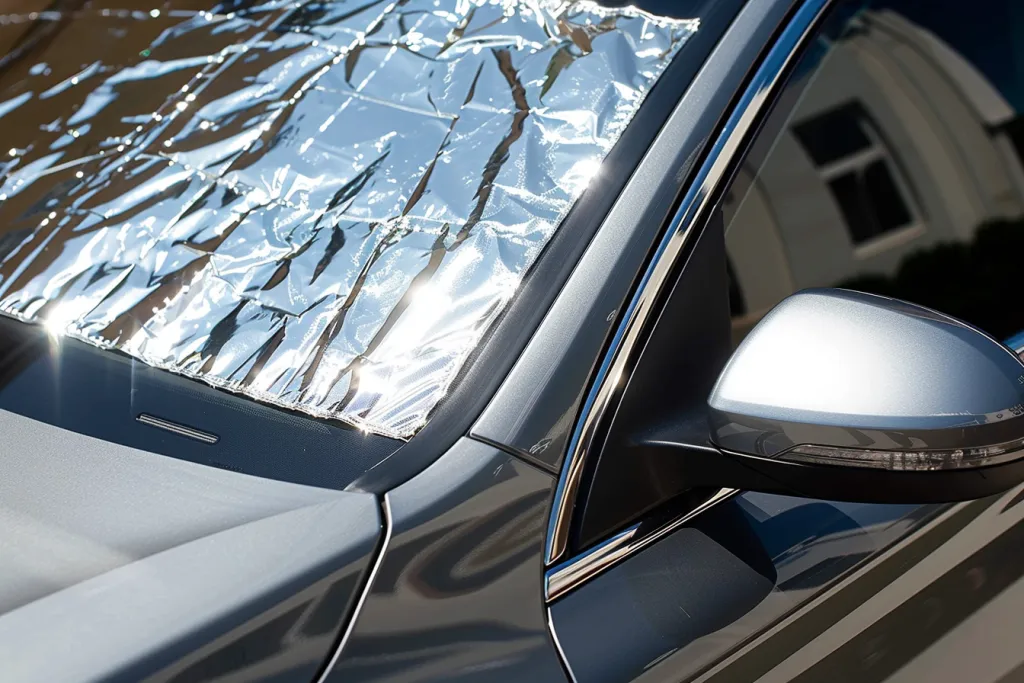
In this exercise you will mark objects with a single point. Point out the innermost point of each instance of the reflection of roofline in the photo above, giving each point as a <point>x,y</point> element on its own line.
<point>992,108</point>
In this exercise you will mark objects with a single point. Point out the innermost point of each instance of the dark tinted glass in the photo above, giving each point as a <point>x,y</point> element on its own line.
<point>898,172</point>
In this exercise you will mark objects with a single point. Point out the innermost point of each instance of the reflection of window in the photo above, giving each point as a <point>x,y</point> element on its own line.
<point>854,163</point>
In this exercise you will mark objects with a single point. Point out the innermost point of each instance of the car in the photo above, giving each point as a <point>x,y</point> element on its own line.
<point>465,340</point>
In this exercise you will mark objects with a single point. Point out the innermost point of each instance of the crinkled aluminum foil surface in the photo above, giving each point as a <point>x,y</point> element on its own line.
<point>320,205</point>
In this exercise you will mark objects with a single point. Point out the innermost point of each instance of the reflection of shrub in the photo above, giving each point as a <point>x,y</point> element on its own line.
<point>978,282</point>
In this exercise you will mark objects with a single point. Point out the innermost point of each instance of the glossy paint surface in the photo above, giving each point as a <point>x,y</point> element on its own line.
<point>941,605</point>
<point>680,605</point>
<point>121,565</point>
<point>458,594</point>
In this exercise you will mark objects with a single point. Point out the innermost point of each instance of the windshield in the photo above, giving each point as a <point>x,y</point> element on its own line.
<point>321,206</point>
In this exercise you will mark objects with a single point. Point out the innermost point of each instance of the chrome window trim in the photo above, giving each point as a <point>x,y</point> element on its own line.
<point>561,579</point>
<point>746,115</point>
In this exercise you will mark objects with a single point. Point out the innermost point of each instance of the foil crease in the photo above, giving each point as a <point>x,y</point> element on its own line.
<point>320,205</point>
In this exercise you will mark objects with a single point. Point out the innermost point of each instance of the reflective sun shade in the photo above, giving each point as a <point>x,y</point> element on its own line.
<point>320,205</point>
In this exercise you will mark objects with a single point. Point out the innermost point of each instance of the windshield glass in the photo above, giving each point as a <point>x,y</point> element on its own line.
<point>322,206</point>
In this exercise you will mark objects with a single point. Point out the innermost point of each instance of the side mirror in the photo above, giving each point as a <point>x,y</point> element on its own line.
<point>849,396</point>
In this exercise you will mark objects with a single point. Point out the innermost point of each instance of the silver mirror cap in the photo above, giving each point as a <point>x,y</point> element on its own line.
<point>858,380</point>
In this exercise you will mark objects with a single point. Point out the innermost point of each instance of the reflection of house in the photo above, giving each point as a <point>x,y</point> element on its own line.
<point>898,143</point>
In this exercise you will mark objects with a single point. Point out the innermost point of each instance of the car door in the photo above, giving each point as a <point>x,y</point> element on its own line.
<point>877,147</point>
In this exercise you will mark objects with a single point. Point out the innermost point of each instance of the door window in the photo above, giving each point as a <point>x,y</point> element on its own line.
<point>899,172</point>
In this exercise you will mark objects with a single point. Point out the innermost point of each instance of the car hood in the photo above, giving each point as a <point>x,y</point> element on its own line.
<point>121,564</point>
